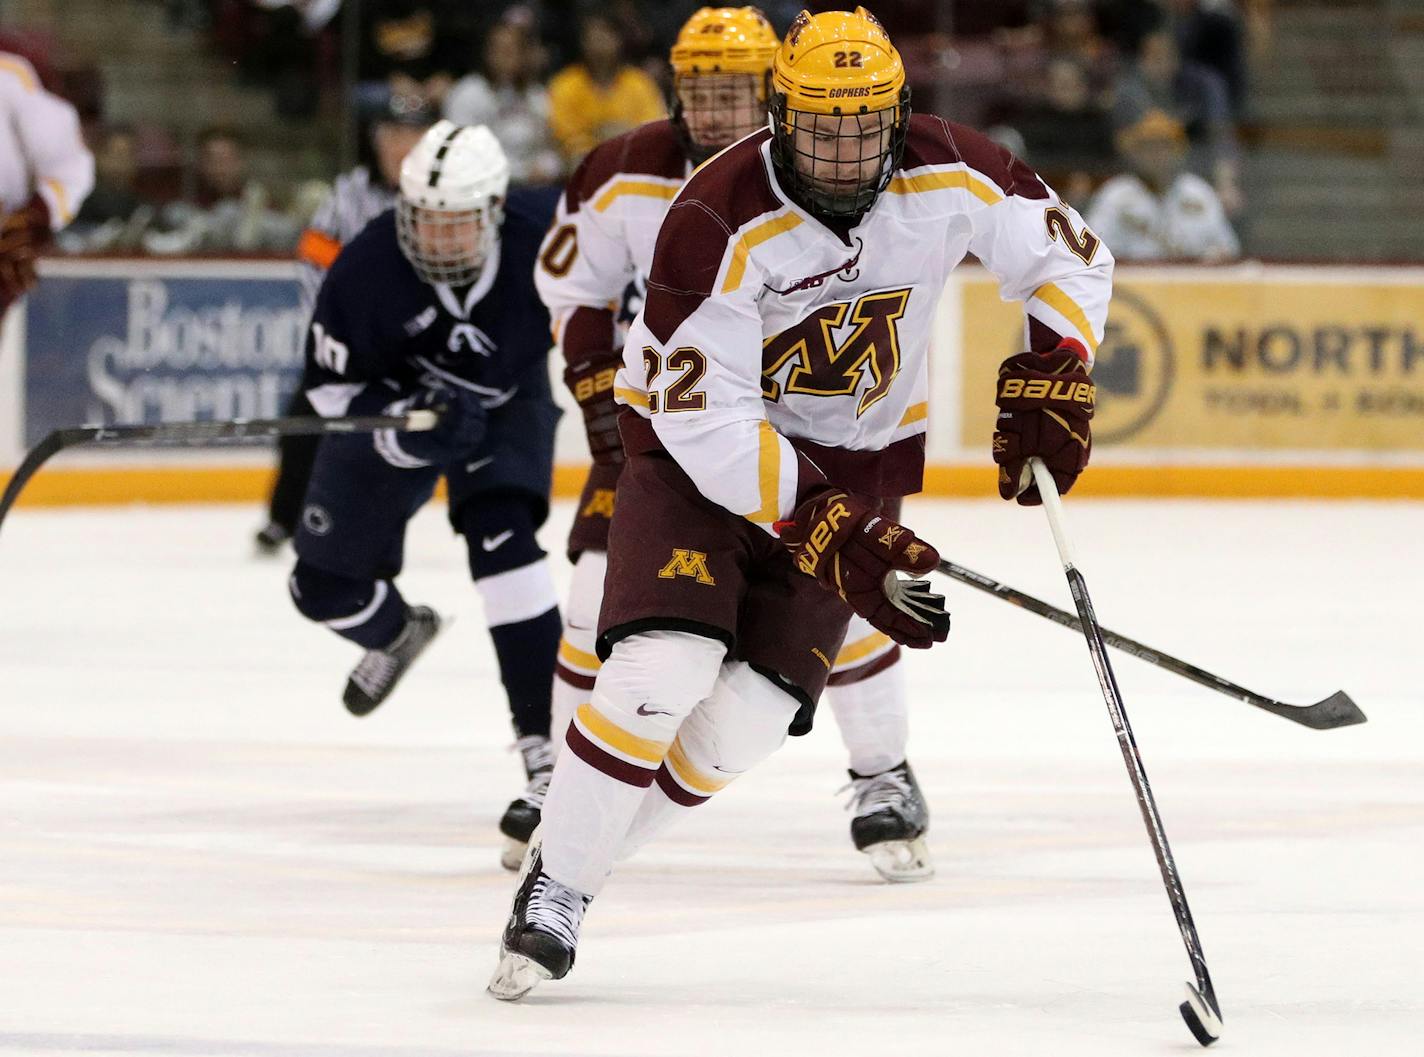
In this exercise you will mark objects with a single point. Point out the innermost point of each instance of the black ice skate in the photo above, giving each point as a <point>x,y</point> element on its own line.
<point>541,938</point>
<point>376,676</point>
<point>521,818</point>
<point>890,821</point>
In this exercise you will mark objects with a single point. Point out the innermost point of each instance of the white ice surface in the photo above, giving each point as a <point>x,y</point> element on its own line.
<point>201,853</point>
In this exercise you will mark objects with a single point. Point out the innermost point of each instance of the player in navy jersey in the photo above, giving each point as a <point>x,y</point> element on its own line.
<point>357,198</point>
<point>433,306</point>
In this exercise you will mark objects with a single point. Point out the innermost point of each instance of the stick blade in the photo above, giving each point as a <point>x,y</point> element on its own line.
<point>1337,710</point>
<point>1201,1016</point>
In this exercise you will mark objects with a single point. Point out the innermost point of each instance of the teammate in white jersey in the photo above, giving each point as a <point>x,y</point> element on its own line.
<point>595,259</point>
<point>46,172</point>
<point>776,395</point>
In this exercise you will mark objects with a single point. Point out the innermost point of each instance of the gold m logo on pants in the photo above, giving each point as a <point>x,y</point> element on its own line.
<point>600,504</point>
<point>687,563</point>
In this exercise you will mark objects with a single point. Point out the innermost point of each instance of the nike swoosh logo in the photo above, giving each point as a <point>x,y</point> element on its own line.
<point>725,771</point>
<point>492,543</point>
<point>644,710</point>
<point>471,467</point>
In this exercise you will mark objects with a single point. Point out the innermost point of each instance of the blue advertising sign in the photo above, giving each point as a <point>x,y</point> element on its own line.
<point>141,342</point>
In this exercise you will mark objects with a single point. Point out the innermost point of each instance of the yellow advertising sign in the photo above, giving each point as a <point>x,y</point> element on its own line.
<point>1243,364</point>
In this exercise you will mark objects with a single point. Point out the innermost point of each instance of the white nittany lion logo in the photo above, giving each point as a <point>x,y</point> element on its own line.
<point>472,337</point>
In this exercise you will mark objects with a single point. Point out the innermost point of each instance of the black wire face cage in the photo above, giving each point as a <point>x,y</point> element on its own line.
<point>718,100</point>
<point>447,246</point>
<point>828,164</point>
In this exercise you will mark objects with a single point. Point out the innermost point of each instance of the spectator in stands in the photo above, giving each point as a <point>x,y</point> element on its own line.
<point>1210,33</point>
<point>648,28</point>
<point>46,172</point>
<point>1125,22</point>
<point>407,50</point>
<point>1158,79</point>
<point>1066,136</point>
<point>1159,211</point>
<point>114,216</point>
<point>599,97</point>
<point>229,211</point>
<point>508,98</point>
<point>278,43</point>
<point>1062,29</point>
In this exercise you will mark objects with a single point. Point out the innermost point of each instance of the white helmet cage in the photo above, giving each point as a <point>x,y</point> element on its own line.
<point>451,203</point>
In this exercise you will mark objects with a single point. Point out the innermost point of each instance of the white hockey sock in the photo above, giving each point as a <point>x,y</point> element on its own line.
<point>656,812</point>
<point>873,717</point>
<point>742,723</point>
<point>578,664</point>
<point>585,819</point>
<point>615,745</point>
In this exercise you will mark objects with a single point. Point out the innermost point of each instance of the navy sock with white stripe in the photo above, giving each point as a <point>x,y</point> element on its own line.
<point>371,613</point>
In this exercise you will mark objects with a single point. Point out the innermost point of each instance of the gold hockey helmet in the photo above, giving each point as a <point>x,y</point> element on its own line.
<point>724,40</point>
<point>721,63</point>
<point>839,109</point>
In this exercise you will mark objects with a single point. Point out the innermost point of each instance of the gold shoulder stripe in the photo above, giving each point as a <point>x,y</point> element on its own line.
<point>939,181</point>
<point>635,397</point>
<point>1053,296</point>
<point>647,188</point>
<point>750,240</point>
<point>21,73</point>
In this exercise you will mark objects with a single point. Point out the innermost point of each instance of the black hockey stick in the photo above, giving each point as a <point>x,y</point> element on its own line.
<point>1201,1010</point>
<point>1337,710</point>
<point>201,433</point>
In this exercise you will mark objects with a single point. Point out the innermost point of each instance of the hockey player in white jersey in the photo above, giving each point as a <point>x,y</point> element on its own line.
<point>776,394</point>
<point>46,172</point>
<point>599,248</point>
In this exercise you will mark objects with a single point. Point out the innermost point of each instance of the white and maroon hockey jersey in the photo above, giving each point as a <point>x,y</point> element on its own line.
<point>773,352</point>
<point>603,234</point>
<point>41,149</point>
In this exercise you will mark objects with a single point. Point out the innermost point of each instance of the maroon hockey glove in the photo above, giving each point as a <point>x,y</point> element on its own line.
<point>23,234</point>
<point>853,551</point>
<point>591,382</point>
<point>1045,409</point>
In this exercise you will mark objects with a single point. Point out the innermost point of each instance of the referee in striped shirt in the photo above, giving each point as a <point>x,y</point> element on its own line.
<point>357,197</point>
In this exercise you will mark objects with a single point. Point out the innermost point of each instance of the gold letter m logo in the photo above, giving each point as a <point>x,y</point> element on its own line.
<point>687,563</point>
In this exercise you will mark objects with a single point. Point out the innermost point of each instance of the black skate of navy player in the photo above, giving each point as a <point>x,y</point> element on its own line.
<point>433,306</point>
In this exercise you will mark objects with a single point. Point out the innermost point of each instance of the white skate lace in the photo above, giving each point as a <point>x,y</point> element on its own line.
<point>555,909</point>
<point>538,756</point>
<point>889,790</point>
<point>374,671</point>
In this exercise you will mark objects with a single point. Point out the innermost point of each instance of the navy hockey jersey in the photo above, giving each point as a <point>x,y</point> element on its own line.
<point>377,329</point>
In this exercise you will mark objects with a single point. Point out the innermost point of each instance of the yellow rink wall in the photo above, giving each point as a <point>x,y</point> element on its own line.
<point>95,486</point>
<point>1246,381</point>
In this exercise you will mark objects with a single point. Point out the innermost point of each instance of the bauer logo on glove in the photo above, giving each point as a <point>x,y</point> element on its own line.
<point>851,550</point>
<point>1046,407</point>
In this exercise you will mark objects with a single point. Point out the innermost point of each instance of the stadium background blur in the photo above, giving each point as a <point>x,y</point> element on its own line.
<point>1286,362</point>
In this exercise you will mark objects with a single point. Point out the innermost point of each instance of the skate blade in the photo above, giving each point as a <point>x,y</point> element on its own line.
<point>902,861</point>
<point>511,856</point>
<point>515,976</point>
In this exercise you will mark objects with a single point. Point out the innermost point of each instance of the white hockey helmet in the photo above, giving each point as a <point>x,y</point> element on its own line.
<point>451,203</point>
